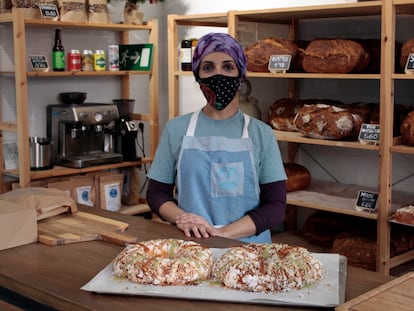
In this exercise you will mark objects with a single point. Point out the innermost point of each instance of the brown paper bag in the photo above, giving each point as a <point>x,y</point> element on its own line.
<point>46,202</point>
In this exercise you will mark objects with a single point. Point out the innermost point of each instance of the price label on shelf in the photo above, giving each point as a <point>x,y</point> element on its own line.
<point>39,63</point>
<point>409,66</point>
<point>279,63</point>
<point>49,11</point>
<point>366,201</point>
<point>369,134</point>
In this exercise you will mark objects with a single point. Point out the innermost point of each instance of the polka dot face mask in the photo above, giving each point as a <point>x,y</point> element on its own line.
<point>219,90</point>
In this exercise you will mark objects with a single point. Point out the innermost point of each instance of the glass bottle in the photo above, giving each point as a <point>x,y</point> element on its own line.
<point>58,52</point>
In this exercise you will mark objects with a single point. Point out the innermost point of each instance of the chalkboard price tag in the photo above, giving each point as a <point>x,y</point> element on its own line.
<point>366,201</point>
<point>369,134</point>
<point>409,66</point>
<point>39,63</point>
<point>279,63</point>
<point>49,11</point>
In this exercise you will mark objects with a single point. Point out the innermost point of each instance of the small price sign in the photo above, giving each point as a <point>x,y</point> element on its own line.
<point>409,66</point>
<point>39,63</point>
<point>366,201</point>
<point>49,11</point>
<point>369,134</point>
<point>279,63</point>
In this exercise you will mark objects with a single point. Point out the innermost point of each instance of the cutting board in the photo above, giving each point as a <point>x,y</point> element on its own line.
<point>80,227</point>
<point>396,295</point>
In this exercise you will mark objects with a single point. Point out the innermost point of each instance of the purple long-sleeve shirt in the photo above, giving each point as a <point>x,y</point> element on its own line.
<point>268,215</point>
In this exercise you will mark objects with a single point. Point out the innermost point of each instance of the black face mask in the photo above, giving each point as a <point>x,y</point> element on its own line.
<point>219,90</point>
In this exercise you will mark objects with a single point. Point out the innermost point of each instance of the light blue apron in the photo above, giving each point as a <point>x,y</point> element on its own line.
<point>216,178</point>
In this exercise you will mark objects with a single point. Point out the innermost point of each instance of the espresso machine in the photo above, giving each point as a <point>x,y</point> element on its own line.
<point>77,132</point>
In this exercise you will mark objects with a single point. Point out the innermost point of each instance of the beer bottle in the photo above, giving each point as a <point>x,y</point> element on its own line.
<point>58,53</point>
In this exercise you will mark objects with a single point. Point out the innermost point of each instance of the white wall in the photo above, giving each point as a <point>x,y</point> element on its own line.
<point>321,161</point>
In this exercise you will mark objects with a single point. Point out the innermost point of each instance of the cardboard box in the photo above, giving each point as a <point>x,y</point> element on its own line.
<point>135,56</point>
<point>18,225</point>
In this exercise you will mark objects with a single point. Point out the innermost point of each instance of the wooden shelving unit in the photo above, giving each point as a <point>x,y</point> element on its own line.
<point>19,23</point>
<point>332,197</point>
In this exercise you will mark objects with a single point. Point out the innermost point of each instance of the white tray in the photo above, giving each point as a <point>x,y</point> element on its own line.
<point>328,292</point>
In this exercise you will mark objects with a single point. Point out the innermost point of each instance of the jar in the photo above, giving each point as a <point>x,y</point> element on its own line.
<point>74,60</point>
<point>87,60</point>
<point>99,62</point>
<point>113,57</point>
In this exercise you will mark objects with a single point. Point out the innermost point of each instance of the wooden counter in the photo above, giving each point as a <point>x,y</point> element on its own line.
<point>53,275</point>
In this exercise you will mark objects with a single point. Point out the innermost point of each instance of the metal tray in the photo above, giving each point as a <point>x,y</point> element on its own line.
<point>328,292</point>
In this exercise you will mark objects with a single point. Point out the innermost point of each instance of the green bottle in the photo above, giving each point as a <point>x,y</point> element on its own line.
<point>58,52</point>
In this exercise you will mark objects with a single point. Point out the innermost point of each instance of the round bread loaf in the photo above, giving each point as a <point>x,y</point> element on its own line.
<point>334,56</point>
<point>282,113</point>
<point>298,177</point>
<point>407,129</point>
<point>406,49</point>
<point>258,54</point>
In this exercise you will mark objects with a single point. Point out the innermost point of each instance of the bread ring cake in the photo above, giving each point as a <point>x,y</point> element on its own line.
<point>267,268</point>
<point>164,262</point>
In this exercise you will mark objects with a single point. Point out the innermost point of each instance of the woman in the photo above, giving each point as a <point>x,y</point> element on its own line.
<point>225,167</point>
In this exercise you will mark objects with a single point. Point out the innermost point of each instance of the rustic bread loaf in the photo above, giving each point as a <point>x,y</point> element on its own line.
<point>321,228</point>
<point>335,56</point>
<point>407,129</point>
<point>258,54</point>
<point>406,49</point>
<point>324,121</point>
<point>405,214</point>
<point>282,113</point>
<point>298,177</point>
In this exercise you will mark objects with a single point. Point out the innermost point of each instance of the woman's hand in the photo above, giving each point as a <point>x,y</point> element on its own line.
<point>193,224</point>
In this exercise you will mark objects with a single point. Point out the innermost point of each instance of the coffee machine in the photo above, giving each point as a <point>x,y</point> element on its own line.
<point>77,132</point>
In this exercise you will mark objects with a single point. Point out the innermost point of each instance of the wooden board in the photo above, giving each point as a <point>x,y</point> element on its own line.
<point>80,227</point>
<point>396,295</point>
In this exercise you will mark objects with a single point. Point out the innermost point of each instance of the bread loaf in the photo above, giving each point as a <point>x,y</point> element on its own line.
<point>359,248</point>
<point>298,177</point>
<point>258,54</point>
<point>335,56</point>
<point>282,114</point>
<point>405,214</point>
<point>324,121</point>
<point>407,129</point>
<point>406,49</point>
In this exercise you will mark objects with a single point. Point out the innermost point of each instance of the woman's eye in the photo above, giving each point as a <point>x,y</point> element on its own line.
<point>206,68</point>
<point>228,67</point>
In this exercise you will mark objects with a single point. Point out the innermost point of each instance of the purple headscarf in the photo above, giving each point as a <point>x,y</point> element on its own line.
<point>219,42</point>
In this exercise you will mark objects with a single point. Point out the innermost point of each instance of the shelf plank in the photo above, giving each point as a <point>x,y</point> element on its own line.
<point>8,18</point>
<point>339,198</point>
<point>299,75</point>
<point>7,126</point>
<point>61,171</point>
<point>331,197</point>
<point>296,137</point>
<point>86,73</point>
<point>286,15</point>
